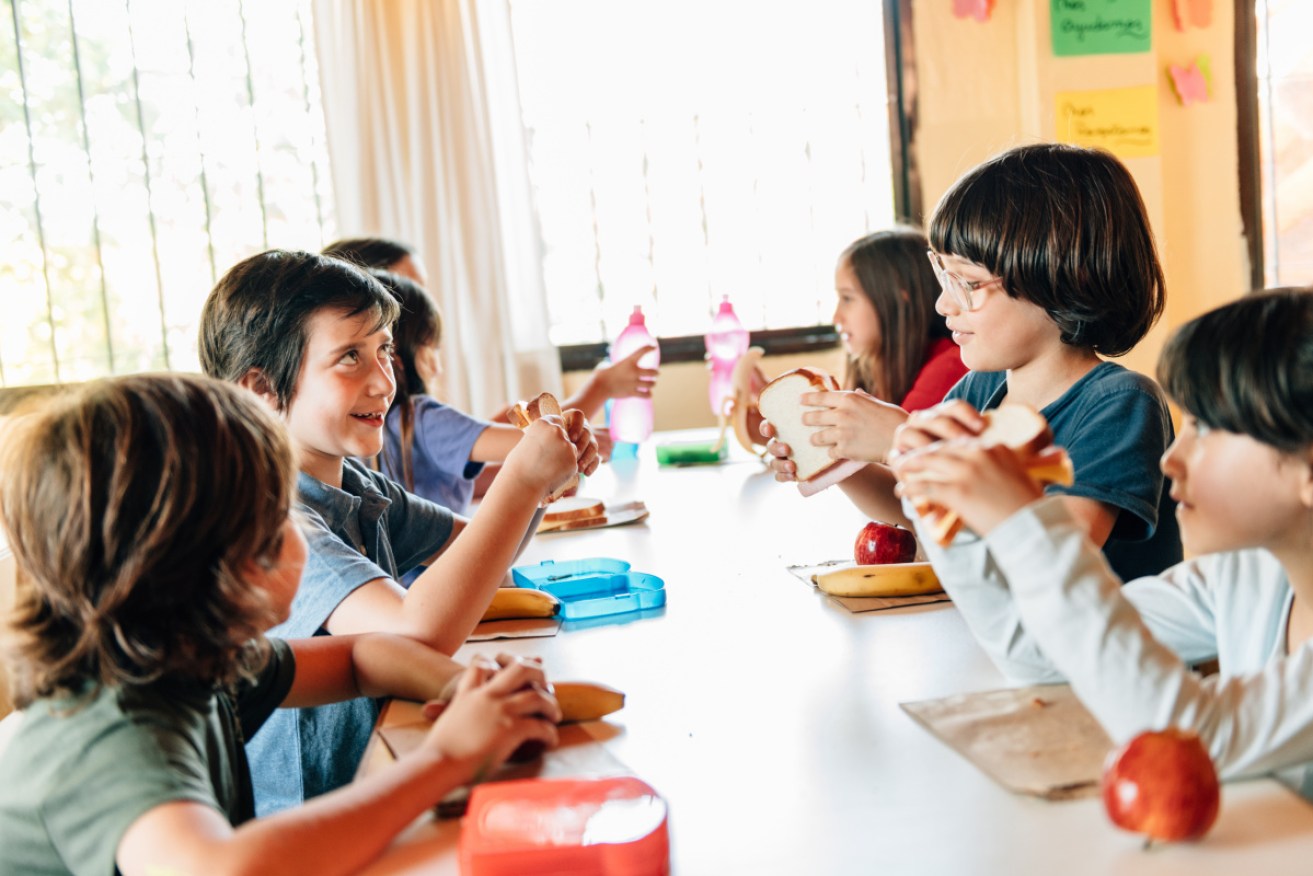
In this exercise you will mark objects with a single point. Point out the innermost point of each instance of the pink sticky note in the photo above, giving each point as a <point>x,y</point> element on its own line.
<point>1192,13</point>
<point>977,9</point>
<point>1190,83</point>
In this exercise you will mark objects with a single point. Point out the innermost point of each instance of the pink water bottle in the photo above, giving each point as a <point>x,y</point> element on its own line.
<point>631,418</point>
<point>726,342</point>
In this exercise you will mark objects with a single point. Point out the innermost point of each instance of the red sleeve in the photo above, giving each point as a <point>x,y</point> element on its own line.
<point>941,370</point>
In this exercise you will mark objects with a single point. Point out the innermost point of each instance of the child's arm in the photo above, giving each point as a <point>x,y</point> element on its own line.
<point>446,602</point>
<point>330,669</point>
<point>621,379</point>
<point>493,712</point>
<point>495,443</point>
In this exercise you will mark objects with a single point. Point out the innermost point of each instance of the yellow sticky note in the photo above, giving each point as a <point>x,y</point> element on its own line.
<point>1122,120</point>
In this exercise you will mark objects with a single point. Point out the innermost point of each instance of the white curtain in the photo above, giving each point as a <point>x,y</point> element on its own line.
<point>427,146</point>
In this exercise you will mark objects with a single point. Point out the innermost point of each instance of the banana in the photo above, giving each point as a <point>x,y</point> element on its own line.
<point>586,701</point>
<point>896,579</point>
<point>521,602</point>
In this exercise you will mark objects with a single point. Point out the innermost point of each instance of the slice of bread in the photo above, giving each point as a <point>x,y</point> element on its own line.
<point>780,405</point>
<point>574,508</point>
<point>523,413</point>
<point>1023,429</point>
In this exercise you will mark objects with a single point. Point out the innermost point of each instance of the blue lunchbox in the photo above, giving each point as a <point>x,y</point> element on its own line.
<point>594,587</point>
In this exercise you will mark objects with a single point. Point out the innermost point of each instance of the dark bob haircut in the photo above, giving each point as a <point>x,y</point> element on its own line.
<point>1066,229</point>
<point>134,507</point>
<point>1247,367</point>
<point>257,314</point>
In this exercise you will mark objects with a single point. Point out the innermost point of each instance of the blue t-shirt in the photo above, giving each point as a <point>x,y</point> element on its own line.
<point>371,528</point>
<point>443,440</point>
<point>1115,426</point>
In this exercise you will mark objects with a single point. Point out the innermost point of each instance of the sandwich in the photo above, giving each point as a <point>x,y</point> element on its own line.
<point>523,413</point>
<point>780,405</point>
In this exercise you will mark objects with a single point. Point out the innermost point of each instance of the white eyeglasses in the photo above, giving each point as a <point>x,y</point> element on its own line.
<point>963,292</point>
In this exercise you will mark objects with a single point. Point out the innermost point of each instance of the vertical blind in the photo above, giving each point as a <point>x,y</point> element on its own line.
<point>145,147</point>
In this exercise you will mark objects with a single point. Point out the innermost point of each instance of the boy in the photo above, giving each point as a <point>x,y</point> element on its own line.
<point>150,520</point>
<point>310,335</point>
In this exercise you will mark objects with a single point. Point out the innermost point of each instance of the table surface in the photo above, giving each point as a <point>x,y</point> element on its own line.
<point>768,716</point>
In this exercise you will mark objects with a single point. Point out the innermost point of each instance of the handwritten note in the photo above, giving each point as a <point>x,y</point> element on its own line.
<point>1192,81</point>
<point>1122,120</point>
<point>1100,27</point>
<point>1192,13</point>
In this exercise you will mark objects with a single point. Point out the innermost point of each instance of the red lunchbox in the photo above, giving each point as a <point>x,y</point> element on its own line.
<point>582,827</point>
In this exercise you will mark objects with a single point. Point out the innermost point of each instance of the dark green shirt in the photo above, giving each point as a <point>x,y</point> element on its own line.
<point>73,782</point>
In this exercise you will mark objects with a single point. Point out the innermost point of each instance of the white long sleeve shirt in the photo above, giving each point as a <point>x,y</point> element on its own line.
<point>1041,600</point>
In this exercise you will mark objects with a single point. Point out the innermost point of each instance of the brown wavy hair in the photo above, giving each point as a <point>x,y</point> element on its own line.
<point>133,506</point>
<point>895,276</point>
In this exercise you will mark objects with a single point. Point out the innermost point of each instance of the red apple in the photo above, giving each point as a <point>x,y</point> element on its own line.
<point>880,543</point>
<point>1162,784</point>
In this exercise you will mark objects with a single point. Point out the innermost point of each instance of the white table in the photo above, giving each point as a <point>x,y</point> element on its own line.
<point>767,715</point>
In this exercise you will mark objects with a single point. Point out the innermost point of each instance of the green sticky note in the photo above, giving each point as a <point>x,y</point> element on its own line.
<point>1100,27</point>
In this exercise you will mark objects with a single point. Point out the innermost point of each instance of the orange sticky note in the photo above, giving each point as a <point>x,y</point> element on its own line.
<point>1191,81</point>
<point>1192,13</point>
<point>977,9</point>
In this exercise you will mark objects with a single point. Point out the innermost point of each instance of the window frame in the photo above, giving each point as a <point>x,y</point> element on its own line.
<point>900,78</point>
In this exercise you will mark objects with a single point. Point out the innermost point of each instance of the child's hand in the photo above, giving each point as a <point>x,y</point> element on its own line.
<point>858,425</point>
<point>625,379</point>
<point>943,422</point>
<point>778,455</point>
<point>587,451</point>
<point>544,459</point>
<point>983,485</point>
<point>495,710</point>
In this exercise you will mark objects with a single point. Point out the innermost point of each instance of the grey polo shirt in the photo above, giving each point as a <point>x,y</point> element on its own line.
<point>371,528</point>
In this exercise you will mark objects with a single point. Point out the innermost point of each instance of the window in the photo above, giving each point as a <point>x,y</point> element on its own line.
<point>146,146</point>
<point>1285,139</point>
<point>685,150</point>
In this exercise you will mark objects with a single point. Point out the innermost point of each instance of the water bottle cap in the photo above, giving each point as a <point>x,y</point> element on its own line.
<point>725,307</point>
<point>636,318</point>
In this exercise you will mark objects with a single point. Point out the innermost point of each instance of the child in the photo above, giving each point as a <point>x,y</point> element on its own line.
<point>149,516</point>
<point>899,348</point>
<point>310,335</point>
<point>432,449</point>
<point>1047,264</point>
<point>609,380</point>
<point>1047,605</point>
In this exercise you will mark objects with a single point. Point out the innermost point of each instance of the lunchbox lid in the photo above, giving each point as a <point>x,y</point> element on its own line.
<point>593,587</point>
<point>615,825</point>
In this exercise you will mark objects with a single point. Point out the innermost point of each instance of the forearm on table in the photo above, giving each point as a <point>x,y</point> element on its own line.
<point>344,830</point>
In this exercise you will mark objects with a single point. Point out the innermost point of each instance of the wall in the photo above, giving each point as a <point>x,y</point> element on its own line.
<point>984,87</point>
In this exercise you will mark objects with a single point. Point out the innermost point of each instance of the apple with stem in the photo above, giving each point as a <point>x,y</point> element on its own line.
<point>882,543</point>
<point>1162,784</point>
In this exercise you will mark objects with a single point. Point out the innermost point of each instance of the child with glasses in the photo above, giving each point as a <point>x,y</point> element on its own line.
<point>1047,266</point>
<point>1047,607</point>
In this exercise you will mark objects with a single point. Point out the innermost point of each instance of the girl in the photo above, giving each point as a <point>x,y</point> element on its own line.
<point>899,349</point>
<point>609,380</point>
<point>1046,605</point>
<point>1046,264</point>
<point>432,449</point>
<point>150,520</point>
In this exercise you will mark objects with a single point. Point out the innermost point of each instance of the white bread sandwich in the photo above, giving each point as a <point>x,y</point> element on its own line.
<point>1027,433</point>
<point>781,406</point>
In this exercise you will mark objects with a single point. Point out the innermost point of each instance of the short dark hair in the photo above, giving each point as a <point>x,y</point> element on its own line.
<point>896,277</point>
<point>1247,367</point>
<point>1066,229</point>
<point>420,325</point>
<point>132,505</point>
<point>256,315</point>
<point>369,252</point>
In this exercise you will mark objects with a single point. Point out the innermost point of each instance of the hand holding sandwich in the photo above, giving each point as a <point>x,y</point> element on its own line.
<point>960,467</point>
